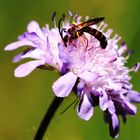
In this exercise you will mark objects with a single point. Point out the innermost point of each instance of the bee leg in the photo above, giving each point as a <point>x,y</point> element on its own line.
<point>86,40</point>
<point>78,36</point>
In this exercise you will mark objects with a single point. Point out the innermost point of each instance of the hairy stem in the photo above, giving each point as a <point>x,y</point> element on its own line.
<point>47,118</point>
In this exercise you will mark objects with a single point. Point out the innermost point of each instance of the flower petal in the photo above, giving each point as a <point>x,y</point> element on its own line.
<point>85,110</point>
<point>63,54</point>
<point>63,86</point>
<point>80,87</point>
<point>127,106</point>
<point>33,37</point>
<point>33,26</point>
<point>89,76</point>
<point>130,108</point>
<point>17,58</point>
<point>103,101</point>
<point>18,44</point>
<point>111,107</point>
<point>26,68</point>
<point>36,54</point>
<point>114,126</point>
<point>133,96</point>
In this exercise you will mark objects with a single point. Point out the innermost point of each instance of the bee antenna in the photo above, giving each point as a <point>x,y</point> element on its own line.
<point>59,28</point>
<point>61,33</point>
<point>59,24</point>
<point>53,15</point>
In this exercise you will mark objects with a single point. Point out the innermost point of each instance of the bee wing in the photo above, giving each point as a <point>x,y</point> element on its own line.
<point>90,22</point>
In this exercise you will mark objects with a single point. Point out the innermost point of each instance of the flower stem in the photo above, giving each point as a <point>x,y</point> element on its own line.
<point>47,118</point>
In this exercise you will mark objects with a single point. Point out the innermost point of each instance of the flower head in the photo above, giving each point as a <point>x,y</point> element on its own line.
<point>98,76</point>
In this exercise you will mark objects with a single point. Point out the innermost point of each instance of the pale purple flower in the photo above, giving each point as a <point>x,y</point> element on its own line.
<point>98,76</point>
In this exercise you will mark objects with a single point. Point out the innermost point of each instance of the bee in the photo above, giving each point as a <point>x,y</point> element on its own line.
<point>77,30</point>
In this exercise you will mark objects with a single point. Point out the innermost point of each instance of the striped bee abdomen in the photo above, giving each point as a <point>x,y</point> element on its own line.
<point>97,34</point>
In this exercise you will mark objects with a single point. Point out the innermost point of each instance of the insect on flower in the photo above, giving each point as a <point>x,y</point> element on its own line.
<point>77,30</point>
<point>98,76</point>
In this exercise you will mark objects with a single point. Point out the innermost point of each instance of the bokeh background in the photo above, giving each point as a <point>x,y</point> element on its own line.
<point>24,101</point>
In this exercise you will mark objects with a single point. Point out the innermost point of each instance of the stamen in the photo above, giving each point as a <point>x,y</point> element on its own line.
<point>53,19</point>
<point>100,26</point>
<point>70,13</point>
<point>64,20</point>
<point>76,16</point>
<point>123,43</point>
<point>108,33</point>
<point>117,39</point>
<point>78,19</point>
<point>114,40</point>
<point>104,26</point>
<point>69,16</point>
<point>86,18</point>
<point>118,54</point>
<point>63,17</point>
<point>129,52</point>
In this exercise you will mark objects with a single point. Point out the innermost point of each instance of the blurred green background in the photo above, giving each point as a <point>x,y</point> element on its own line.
<point>24,101</point>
